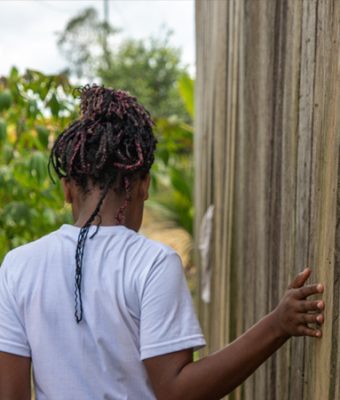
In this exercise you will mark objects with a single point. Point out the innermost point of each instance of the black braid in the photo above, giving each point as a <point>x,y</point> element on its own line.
<point>111,144</point>
<point>80,253</point>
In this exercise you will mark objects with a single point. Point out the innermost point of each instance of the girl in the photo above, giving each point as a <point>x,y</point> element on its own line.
<point>101,312</point>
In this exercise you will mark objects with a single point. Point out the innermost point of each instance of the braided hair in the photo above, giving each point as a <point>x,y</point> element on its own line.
<point>111,144</point>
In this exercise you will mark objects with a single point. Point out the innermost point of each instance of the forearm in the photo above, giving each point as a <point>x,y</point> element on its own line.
<point>218,374</point>
<point>175,376</point>
<point>21,391</point>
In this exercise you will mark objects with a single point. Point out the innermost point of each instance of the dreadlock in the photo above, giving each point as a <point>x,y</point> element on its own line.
<point>108,146</point>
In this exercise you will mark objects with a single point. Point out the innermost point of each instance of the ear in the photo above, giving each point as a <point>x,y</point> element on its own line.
<point>144,187</point>
<point>67,190</point>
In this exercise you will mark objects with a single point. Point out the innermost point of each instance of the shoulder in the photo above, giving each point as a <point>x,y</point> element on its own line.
<point>156,247</point>
<point>30,249</point>
<point>16,258</point>
<point>154,255</point>
<point>166,263</point>
<point>150,260</point>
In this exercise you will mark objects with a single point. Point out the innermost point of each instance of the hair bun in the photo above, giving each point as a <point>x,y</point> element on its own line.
<point>100,103</point>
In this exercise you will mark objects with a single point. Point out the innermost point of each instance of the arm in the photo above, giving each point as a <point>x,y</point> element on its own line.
<point>15,355</point>
<point>15,377</point>
<point>176,376</point>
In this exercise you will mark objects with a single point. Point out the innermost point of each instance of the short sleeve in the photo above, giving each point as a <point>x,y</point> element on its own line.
<point>12,333</point>
<point>168,321</point>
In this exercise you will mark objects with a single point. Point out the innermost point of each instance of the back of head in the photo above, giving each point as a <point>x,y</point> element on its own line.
<point>111,140</point>
<point>110,145</point>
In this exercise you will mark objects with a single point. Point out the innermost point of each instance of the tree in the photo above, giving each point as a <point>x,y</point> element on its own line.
<point>34,108</point>
<point>147,69</point>
<point>150,71</point>
<point>84,43</point>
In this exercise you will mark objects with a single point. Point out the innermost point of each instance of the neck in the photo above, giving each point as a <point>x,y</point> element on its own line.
<point>107,215</point>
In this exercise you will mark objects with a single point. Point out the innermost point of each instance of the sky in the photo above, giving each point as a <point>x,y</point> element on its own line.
<point>28,28</point>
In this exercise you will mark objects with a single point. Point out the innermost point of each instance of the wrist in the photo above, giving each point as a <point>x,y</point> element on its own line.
<point>276,328</point>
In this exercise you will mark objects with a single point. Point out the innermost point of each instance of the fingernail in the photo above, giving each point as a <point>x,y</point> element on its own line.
<point>319,318</point>
<point>318,333</point>
<point>320,287</point>
<point>320,305</point>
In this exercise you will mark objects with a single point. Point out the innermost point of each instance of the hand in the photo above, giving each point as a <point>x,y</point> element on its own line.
<point>294,312</point>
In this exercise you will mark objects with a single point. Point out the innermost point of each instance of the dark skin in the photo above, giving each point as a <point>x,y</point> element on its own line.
<point>15,377</point>
<point>175,375</point>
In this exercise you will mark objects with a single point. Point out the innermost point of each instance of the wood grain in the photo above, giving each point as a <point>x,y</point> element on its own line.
<point>267,156</point>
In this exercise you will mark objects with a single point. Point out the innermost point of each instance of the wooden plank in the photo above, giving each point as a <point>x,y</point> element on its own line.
<point>249,98</point>
<point>203,139</point>
<point>223,21</point>
<point>324,181</point>
<point>335,358</point>
<point>268,146</point>
<point>302,204</point>
<point>279,384</point>
<point>237,289</point>
<point>230,276</point>
<point>219,74</point>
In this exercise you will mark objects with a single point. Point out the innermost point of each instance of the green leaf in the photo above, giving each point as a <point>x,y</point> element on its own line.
<point>14,74</point>
<point>54,105</point>
<point>38,166</point>
<point>43,135</point>
<point>32,109</point>
<point>5,100</point>
<point>181,183</point>
<point>3,131</point>
<point>7,153</point>
<point>17,213</point>
<point>186,90</point>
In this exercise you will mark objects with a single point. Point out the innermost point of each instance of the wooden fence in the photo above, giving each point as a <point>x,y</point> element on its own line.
<point>267,158</point>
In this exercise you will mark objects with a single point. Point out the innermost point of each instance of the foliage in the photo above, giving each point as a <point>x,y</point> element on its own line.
<point>173,173</point>
<point>84,43</point>
<point>148,69</point>
<point>33,108</point>
<point>152,71</point>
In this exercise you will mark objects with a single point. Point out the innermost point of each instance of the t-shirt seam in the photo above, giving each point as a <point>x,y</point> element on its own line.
<point>10,344</point>
<point>174,341</point>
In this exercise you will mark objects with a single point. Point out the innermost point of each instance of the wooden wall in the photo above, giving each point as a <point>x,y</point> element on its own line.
<point>267,157</point>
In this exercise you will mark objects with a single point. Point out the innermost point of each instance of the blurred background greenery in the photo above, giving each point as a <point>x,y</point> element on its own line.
<point>35,107</point>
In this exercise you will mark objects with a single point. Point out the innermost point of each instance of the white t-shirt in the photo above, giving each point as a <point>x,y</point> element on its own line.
<point>136,305</point>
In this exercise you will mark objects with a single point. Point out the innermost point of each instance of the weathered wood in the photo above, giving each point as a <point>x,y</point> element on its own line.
<point>335,358</point>
<point>267,156</point>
